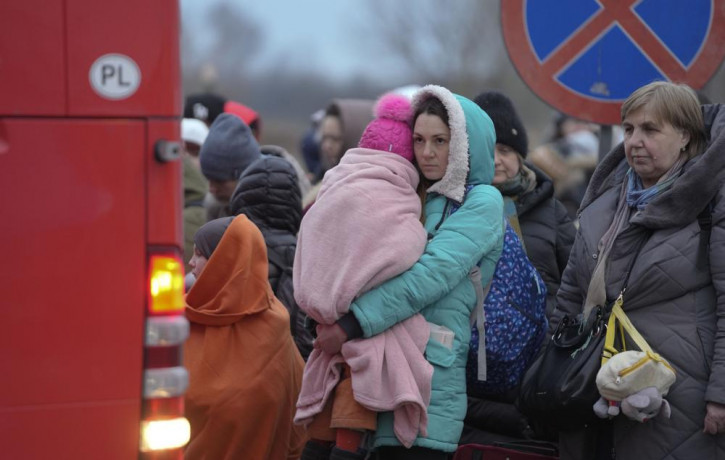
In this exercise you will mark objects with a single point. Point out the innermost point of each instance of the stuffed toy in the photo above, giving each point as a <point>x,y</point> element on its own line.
<point>635,383</point>
<point>606,409</point>
<point>644,405</point>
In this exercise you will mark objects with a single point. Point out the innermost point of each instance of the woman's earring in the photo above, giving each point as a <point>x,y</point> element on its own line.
<point>682,149</point>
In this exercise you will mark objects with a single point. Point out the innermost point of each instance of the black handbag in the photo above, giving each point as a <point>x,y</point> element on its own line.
<point>559,388</point>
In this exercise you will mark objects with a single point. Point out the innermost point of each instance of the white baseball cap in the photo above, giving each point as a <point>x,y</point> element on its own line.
<point>194,131</point>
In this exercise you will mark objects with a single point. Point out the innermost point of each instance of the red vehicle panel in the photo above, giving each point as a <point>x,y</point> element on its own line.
<point>152,39</point>
<point>32,30</point>
<point>86,205</point>
<point>164,189</point>
<point>62,433</point>
<point>69,214</point>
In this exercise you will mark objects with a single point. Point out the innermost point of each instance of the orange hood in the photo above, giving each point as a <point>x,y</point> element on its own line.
<point>244,369</point>
<point>234,282</point>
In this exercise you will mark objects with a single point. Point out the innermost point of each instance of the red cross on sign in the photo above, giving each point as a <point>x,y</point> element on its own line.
<point>584,57</point>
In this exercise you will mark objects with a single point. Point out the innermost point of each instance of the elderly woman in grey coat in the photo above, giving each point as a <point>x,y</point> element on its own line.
<point>669,170</point>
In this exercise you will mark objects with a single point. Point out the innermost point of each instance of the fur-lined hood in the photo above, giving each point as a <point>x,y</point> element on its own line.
<point>703,176</point>
<point>473,138</point>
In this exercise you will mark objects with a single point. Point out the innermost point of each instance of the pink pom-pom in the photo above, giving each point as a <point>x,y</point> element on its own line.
<point>394,107</point>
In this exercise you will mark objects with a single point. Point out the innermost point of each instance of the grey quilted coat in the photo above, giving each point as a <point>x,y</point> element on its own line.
<point>675,297</point>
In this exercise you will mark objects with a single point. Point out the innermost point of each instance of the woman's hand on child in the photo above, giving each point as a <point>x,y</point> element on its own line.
<point>330,338</point>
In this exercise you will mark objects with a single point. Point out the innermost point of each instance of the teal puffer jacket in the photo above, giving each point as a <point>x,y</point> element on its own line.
<point>438,286</point>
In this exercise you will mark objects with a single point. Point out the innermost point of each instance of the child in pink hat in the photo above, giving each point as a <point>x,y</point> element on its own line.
<point>363,229</point>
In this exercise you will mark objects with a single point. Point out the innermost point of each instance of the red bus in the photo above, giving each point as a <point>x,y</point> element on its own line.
<point>91,282</point>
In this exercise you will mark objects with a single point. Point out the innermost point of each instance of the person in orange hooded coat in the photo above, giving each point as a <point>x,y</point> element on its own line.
<point>245,370</point>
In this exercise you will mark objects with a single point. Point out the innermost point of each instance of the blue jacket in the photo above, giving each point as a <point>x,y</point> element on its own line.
<point>438,286</point>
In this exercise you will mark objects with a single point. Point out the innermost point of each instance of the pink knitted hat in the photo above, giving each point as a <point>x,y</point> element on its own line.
<point>390,130</point>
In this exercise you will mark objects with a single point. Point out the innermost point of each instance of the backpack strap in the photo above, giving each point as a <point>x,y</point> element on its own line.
<point>478,315</point>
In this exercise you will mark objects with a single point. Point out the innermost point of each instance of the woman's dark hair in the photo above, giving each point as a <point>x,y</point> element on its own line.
<point>432,106</point>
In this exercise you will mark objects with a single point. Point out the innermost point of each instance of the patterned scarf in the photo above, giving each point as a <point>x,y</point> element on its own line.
<point>632,195</point>
<point>638,196</point>
<point>521,184</point>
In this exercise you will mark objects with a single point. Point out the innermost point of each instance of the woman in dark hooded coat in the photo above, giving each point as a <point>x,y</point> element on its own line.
<point>650,189</point>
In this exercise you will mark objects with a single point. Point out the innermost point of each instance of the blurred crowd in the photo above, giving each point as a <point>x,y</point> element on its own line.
<point>333,291</point>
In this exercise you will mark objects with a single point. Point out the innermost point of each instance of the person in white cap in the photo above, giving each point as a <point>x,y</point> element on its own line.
<point>193,133</point>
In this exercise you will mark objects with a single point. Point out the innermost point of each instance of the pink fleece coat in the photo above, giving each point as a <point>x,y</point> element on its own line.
<point>363,229</point>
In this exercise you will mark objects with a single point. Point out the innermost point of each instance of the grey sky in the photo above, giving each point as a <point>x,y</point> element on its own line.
<point>302,33</point>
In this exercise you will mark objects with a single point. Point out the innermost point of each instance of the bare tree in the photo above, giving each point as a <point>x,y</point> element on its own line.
<point>456,43</point>
<point>237,38</point>
<point>231,42</point>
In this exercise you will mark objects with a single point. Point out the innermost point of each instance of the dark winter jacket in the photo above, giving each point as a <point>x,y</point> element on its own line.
<point>268,194</point>
<point>548,233</point>
<point>302,180</point>
<point>675,296</point>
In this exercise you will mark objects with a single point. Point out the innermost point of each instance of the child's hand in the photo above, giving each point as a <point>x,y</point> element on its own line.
<point>330,338</point>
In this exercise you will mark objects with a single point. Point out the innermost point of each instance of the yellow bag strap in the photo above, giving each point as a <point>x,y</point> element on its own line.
<point>608,351</point>
<point>631,330</point>
<point>619,318</point>
<point>617,314</point>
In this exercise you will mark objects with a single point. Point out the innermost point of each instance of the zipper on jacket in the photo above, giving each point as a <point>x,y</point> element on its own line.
<point>440,222</point>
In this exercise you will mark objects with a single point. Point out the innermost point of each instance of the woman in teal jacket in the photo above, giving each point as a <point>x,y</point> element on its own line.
<point>454,148</point>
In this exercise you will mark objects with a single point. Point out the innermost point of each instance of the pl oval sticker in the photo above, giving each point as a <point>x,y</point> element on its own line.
<point>115,76</point>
